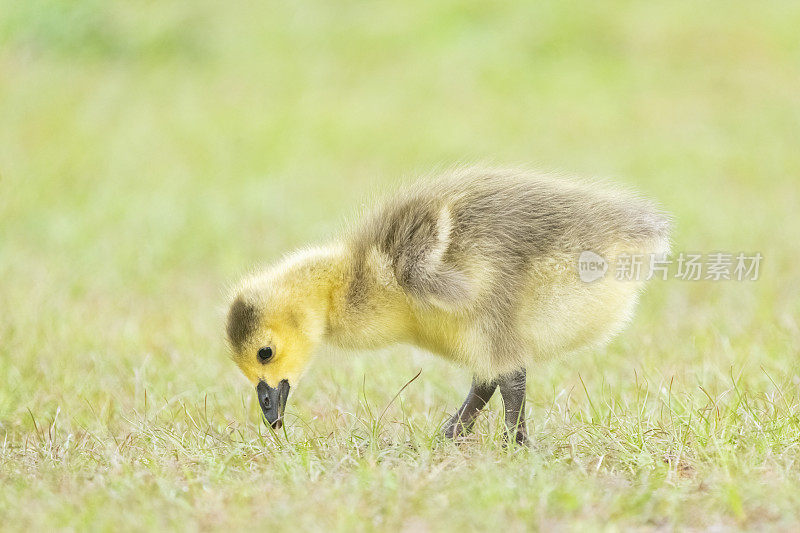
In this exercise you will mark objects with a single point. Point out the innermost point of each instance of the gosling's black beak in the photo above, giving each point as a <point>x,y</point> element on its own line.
<point>273,401</point>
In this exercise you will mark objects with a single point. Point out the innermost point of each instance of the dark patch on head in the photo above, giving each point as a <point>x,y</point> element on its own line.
<point>242,322</point>
<point>293,319</point>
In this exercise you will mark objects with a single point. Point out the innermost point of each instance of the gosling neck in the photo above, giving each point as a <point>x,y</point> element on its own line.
<point>363,311</point>
<point>355,310</point>
<point>319,275</point>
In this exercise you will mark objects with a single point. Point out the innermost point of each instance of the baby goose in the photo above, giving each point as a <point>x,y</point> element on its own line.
<point>477,266</point>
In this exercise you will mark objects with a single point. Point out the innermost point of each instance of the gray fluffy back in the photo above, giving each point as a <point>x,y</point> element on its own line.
<point>470,240</point>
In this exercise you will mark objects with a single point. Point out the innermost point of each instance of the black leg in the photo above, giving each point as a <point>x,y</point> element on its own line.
<point>512,389</point>
<point>461,423</point>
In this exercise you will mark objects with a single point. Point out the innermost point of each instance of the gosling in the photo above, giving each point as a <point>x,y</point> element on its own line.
<point>477,266</point>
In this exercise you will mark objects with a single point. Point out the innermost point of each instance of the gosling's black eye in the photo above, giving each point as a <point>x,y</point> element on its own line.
<point>265,354</point>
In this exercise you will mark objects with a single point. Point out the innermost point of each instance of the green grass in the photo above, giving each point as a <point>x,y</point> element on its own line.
<point>152,152</point>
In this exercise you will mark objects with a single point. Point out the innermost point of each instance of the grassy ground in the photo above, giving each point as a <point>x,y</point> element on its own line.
<point>151,152</point>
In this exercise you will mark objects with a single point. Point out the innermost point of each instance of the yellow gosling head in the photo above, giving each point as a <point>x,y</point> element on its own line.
<point>275,322</point>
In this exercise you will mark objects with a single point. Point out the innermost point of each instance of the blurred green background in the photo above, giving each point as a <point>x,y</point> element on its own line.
<point>152,152</point>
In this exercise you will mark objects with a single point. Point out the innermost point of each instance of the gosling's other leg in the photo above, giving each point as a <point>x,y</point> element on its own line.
<point>461,423</point>
<point>512,389</point>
